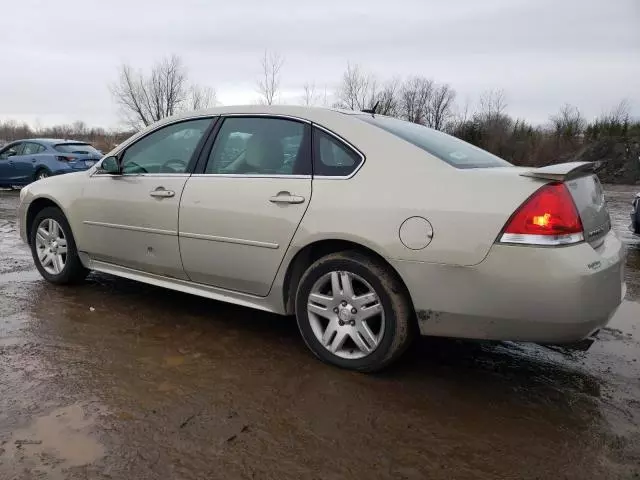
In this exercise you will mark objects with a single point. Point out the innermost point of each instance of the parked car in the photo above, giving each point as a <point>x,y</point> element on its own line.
<point>635,215</point>
<point>378,230</point>
<point>25,161</point>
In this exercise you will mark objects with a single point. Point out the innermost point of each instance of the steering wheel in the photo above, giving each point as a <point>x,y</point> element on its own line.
<point>174,165</point>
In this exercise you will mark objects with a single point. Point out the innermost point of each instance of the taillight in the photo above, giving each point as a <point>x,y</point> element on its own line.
<point>548,217</point>
<point>64,158</point>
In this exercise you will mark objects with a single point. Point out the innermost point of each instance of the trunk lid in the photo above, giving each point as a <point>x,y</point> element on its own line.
<point>587,193</point>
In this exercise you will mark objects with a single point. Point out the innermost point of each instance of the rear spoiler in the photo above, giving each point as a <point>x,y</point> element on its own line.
<point>563,172</point>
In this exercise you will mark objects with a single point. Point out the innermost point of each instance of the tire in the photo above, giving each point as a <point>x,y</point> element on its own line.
<point>72,270</point>
<point>41,173</point>
<point>636,222</point>
<point>388,333</point>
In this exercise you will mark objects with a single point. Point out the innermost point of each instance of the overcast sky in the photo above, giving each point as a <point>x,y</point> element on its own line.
<point>59,57</point>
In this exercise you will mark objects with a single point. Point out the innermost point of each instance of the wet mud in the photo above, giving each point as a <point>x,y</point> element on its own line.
<point>114,379</point>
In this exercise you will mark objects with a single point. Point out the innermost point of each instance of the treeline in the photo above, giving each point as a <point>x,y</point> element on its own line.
<point>100,138</point>
<point>486,122</point>
<point>145,97</point>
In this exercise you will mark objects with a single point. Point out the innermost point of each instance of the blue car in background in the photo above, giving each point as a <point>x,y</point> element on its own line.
<point>26,161</point>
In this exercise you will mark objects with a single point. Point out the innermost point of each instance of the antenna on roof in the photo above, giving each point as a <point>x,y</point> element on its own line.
<point>372,111</point>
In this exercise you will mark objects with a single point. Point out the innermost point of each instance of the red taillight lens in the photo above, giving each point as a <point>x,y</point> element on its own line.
<point>548,217</point>
<point>66,158</point>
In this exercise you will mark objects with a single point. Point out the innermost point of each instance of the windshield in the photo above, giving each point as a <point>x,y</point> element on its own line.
<point>79,148</point>
<point>452,150</point>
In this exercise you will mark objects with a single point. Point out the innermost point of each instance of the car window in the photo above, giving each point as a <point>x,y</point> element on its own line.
<point>332,157</point>
<point>31,148</point>
<point>16,147</point>
<point>167,150</point>
<point>261,146</point>
<point>451,150</point>
<point>78,148</point>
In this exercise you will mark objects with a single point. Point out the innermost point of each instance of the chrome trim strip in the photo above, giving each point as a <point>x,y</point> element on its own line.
<point>274,115</point>
<point>240,175</point>
<point>363,158</point>
<point>144,133</point>
<point>169,175</point>
<point>239,241</point>
<point>542,240</point>
<point>131,228</point>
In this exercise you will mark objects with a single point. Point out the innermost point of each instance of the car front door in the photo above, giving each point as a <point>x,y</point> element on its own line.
<point>239,214</point>
<point>8,157</point>
<point>131,219</point>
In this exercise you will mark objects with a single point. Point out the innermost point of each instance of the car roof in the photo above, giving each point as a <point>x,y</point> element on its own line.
<point>49,141</point>
<point>314,114</point>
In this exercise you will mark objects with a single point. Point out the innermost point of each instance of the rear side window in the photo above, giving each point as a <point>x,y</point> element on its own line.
<point>78,148</point>
<point>261,146</point>
<point>32,148</point>
<point>449,149</point>
<point>332,157</point>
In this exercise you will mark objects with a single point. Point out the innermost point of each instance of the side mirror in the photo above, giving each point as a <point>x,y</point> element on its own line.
<point>110,166</point>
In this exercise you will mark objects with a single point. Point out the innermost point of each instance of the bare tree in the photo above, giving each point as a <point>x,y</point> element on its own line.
<point>387,99</point>
<point>440,107</point>
<point>492,105</point>
<point>619,114</point>
<point>357,91</point>
<point>415,95</point>
<point>568,122</point>
<point>202,97</point>
<point>460,118</point>
<point>269,82</point>
<point>147,99</point>
<point>309,94</point>
<point>80,128</point>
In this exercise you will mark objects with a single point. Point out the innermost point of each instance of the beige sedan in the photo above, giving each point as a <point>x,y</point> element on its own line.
<point>369,229</point>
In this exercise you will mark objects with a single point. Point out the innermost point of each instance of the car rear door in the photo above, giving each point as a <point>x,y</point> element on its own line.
<point>131,219</point>
<point>239,212</point>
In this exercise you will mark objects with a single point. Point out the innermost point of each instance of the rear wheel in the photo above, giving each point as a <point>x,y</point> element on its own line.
<point>353,312</point>
<point>42,173</point>
<point>54,249</point>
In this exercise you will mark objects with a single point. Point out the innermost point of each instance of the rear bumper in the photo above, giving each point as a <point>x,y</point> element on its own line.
<point>518,293</point>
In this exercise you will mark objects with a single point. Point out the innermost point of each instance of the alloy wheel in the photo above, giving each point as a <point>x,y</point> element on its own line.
<point>51,246</point>
<point>346,314</point>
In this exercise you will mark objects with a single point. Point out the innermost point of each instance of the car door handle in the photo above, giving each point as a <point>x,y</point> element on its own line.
<point>160,192</point>
<point>286,197</point>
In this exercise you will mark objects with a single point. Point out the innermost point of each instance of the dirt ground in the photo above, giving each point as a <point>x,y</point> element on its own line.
<point>118,380</point>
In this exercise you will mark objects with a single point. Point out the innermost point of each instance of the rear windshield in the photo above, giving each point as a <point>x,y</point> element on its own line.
<point>450,149</point>
<point>79,148</point>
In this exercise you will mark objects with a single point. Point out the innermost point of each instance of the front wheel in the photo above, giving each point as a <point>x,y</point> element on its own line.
<point>353,312</point>
<point>54,249</point>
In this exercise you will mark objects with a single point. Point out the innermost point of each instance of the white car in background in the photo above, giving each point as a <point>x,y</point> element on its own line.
<point>368,228</point>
